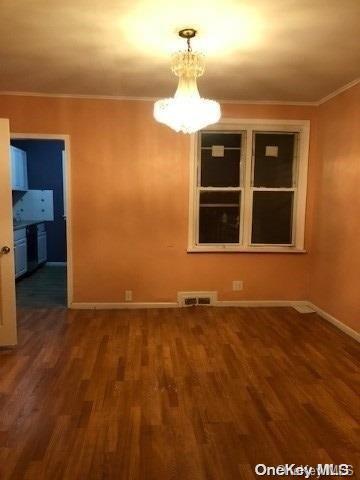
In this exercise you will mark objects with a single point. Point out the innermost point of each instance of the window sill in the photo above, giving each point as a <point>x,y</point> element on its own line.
<point>228,249</point>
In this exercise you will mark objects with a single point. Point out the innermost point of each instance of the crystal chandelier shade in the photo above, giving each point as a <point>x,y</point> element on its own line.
<point>187,112</point>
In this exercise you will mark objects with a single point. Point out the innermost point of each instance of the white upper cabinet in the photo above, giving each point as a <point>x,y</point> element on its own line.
<point>19,169</point>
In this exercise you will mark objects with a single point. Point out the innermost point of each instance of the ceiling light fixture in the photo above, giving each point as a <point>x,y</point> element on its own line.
<point>187,112</point>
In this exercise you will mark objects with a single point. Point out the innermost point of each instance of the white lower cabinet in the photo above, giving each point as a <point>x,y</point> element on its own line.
<point>20,252</point>
<point>21,249</point>
<point>42,243</point>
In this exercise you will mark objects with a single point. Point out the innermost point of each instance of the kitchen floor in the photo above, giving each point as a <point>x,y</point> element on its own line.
<point>44,288</point>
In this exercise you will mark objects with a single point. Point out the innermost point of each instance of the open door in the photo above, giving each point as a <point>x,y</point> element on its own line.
<point>8,334</point>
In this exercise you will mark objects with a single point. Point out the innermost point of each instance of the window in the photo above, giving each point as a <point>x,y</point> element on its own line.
<point>249,186</point>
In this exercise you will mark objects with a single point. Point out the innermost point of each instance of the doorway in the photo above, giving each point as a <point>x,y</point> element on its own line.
<point>40,199</point>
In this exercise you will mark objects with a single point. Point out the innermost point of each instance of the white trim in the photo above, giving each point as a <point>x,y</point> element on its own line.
<point>223,248</point>
<point>121,305</point>
<point>224,303</point>
<point>38,136</point>
<point>299,305</point>
<point>78,96</point>
<point>337,323</point>
<point>257,123</point>
<point>66,139</point>
<point>56,264</point>
<point>314,103</point>
<point>63,166</point>
<point>249,127</point>
<point>270,102</point>
<point>192,181</point>
<point>254,303</point>
<point>142,305</point>
<point>303,307</point>
<point>338,91</point>
<point>148,99</point>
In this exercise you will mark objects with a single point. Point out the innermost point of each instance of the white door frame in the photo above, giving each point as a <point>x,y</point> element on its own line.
<point>66,140</point>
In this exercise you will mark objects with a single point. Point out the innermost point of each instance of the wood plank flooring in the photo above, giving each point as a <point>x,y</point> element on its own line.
<point>178,394</point>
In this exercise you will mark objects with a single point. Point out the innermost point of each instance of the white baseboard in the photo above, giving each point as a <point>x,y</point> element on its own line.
<point>121,305</point>
<point>255,303</point>
<point>221,303</point>
<point>56,264</point>
<point>337,323</point>
<point>302,306</point>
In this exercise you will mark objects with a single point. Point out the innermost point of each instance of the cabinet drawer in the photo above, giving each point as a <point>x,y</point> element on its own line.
<point>41,227</point>
<point>19,234</point>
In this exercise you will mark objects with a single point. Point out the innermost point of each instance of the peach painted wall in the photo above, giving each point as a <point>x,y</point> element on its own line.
<point>130,186</point>
<point>335,256</point>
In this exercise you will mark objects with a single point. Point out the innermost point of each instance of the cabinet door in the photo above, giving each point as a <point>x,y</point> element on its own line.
<point>23,170</point>
<point>42,247</point>
<point>19,169</point>
<point>20,249</point>
<point>15,168</point>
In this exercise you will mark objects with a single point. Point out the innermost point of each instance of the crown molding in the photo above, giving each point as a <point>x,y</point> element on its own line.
<point>153,99</point>
<point>80,96</point>
<point>338,91</point>
<point>269,102</point>
<point>146,99</point>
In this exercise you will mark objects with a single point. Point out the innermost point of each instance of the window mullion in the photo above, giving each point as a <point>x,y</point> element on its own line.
<point>197,188</point>
<point>247,204</point>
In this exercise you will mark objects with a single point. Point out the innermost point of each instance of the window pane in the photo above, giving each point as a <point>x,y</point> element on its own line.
<point>274,156</point>
<point>272,217</point>
<point>232,140</point>
<point>220,171</point>
<point>219,217</point>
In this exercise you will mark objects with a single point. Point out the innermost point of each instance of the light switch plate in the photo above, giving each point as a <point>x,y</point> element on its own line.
<point>217,150</point>
<point>271,151</point>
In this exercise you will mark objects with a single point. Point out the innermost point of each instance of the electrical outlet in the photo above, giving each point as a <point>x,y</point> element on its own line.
<point>128,295</point>
<point>237,285</point>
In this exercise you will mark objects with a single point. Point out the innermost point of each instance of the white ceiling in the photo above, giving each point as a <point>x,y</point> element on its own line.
<point>276,50</point>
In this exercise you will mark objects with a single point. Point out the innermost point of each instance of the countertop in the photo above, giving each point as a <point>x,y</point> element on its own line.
<point>26,223</point>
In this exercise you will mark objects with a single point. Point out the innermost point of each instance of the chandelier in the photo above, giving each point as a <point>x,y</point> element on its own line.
<point>187,112</point>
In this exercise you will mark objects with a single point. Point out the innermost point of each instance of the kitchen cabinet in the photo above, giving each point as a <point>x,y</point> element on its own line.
<point>20,252</point>
<point>19,169</point>
<point>41,243</point>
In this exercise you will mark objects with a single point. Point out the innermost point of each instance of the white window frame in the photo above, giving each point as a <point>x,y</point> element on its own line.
<point>250,126</point>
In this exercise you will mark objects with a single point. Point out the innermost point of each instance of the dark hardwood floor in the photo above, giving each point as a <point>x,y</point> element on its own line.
<point>178,394</point>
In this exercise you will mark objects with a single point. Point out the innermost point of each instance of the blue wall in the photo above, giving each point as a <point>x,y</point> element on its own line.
<point>44,162</point>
